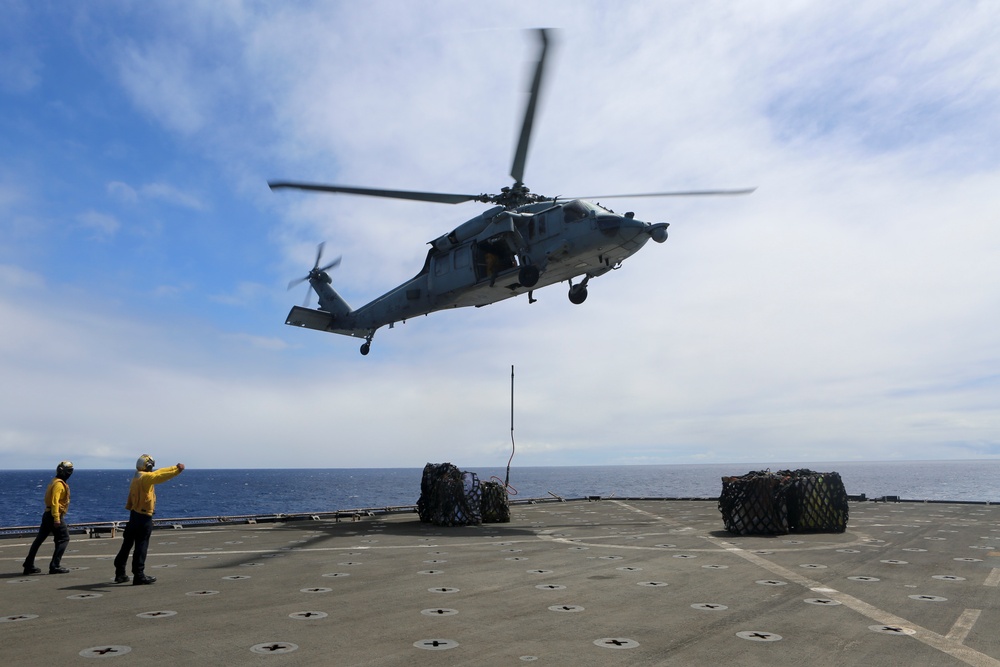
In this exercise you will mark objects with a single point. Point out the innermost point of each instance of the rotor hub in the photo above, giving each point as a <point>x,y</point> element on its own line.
<point>513,196</point>
<point>320,275</point>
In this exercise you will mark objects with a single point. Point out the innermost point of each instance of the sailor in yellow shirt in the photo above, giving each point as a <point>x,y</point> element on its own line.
<point>53,522</point>
<point>141,504</point>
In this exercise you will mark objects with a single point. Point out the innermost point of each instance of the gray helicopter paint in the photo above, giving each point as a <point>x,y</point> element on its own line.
<point>590,246</point>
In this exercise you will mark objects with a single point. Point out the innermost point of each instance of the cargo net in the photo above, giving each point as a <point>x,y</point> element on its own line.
<point>766,503</point>
<point>751,505</point>
<point>495,507</point>
<point>449,496</point>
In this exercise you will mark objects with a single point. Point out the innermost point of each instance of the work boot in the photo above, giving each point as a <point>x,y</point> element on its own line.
<point>121,578</point>
<point>58,570</point>
<point>142,580</point>
<point>31,570</point>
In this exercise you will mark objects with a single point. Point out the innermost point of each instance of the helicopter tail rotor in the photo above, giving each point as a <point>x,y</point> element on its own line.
<point>318,273</point>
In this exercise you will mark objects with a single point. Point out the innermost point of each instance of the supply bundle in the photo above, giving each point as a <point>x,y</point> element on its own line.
<point>496,504</point>
<point>766,503</point>
<point>449,496</point>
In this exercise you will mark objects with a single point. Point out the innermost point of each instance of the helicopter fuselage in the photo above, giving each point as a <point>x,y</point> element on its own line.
<point>495,256</point>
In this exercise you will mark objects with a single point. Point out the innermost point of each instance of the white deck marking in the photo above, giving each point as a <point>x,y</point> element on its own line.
<point>930,638</point>
<point>963,625</point>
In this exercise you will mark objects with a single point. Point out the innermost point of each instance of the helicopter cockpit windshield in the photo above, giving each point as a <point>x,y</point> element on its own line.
<point>574,211</point>
<point>580,209</point>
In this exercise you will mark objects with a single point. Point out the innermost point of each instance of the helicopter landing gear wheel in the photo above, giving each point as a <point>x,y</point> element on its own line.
<point>366,347</point>
<point>578,292</point>
<point>528,275</point>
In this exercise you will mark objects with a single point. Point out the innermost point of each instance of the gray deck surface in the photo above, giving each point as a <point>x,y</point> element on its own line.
<point>612,582</point>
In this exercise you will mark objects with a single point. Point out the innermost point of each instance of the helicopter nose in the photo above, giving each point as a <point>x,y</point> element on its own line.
<point>630,228</point>
<point>625,229</point>
<point>658,232</point>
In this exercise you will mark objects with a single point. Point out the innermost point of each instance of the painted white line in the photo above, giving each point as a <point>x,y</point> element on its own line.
<point>963,625</point>
<point>934,640</point>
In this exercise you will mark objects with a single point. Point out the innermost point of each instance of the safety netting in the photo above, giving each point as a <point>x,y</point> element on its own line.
<point>449,496</point>
<point>768,503</point>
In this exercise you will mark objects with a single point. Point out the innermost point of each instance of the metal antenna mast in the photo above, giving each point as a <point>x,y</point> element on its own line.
<point>507,481</point>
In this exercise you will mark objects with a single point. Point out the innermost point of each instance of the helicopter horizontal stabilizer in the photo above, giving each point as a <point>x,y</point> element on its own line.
<point>320,320</point>
<point>309,318</point>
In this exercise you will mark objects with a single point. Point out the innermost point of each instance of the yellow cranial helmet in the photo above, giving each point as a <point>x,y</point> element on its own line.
<point>145,463</point>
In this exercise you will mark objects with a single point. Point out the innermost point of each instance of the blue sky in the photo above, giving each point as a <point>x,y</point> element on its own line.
<point>847,310</point>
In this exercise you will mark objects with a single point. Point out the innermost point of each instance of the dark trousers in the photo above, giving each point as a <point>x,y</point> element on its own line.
<point>137,532</point>
<point>60,535</point>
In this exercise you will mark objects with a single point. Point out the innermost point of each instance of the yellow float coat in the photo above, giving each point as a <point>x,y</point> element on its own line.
<point>57,499</point>
<point>141,495</point>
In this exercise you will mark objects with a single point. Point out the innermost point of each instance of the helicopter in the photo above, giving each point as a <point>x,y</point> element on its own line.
<point>524,242</point>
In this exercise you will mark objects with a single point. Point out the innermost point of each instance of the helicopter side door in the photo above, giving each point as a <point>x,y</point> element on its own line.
<point>452,270</point>
<point>545,225</point>
<point>493,256</point>
<point>548,234</point>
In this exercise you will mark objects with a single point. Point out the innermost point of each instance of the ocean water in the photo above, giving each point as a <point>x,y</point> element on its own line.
<point>99,495</point>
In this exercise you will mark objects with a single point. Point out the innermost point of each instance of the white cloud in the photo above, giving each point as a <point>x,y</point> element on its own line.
<point>260,342</point>
<point>123,192</point>
<point>20,62</point>
<point>246,292</point>
<point>154,75</point>
<point>18,72</point>
<point>157,191</point>
<point>16,278</point>
<point>172,195</point>
<point>102,224</point>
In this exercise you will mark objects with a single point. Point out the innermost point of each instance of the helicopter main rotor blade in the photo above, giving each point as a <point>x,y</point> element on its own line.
<point>437,197</point>
<point>331,265</point>
<point>521,154</point>
<point>682,193</point>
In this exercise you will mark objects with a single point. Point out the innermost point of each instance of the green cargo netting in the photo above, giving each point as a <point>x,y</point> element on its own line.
<point>495,505</point>
<point>817,501</point>
<point>752,505</point>
<point>766,503</point>
<point>449,496</point>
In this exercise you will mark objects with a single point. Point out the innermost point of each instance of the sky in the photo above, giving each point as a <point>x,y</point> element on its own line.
<point>848,310</point>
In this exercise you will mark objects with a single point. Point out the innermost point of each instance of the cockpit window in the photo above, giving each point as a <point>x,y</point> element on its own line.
<point>575,210</point>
